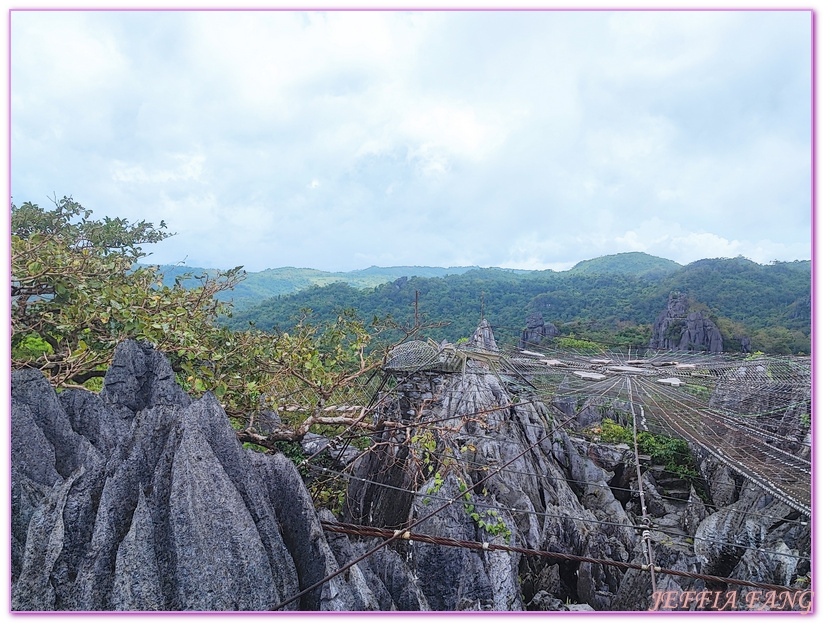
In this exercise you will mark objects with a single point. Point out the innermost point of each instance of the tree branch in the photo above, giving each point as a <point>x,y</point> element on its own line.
<point>82,377</point>
<point>288,434</point>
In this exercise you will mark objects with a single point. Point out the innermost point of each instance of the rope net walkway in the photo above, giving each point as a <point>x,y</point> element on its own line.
<point>726,405</point>
<point>730,407</point>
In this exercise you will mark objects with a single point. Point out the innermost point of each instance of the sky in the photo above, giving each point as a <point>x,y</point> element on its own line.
<point>344,139</point>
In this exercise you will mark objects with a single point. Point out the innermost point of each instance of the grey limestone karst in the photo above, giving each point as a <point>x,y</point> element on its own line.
<point>537,330</point>
<point>142,498</point>
<point>677,328</point>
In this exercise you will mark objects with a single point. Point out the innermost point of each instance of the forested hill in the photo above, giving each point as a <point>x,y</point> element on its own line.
<point>598,300</point>
<point>258,286</point>
<point>635,263</point>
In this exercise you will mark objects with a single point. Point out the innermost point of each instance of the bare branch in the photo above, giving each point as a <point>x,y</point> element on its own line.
<point>86,376</point>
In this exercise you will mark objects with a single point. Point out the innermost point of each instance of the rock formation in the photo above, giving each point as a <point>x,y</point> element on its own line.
<point>536,331</point>
<point>564,495</point>
<point>548,516</point>
<point>678,329</point>
<point>140,498</point>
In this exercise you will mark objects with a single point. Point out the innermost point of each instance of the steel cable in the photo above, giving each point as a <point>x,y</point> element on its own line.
<point>368,531</point>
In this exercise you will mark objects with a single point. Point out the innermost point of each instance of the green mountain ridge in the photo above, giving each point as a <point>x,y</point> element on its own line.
<point>635,263</point>
<point>612,301</point>
<point>258,286</point>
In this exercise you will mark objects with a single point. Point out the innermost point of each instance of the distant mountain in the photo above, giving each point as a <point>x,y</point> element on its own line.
<point>393,272</point>
<point>613,299</point>
<point>602,300</point>
<point>258,286</point>
<point>634,263</point>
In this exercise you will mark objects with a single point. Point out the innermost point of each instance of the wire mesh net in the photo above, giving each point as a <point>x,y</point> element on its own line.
<point>734,407</point>
<point>412,356</point>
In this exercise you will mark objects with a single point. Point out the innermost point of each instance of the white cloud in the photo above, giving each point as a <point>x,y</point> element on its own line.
<point>66,54</point>
<point>671,240</point>
<point>693,246</point>
<point>190,168</point>
<point>429,160</point>
<point>633,148</point>
<point>519,139</point>
<point>453,127</point>
<point>656,45</point>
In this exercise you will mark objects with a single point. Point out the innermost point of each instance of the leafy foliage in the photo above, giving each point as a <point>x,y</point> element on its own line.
<point>76,293</point>
<point>611,432</point>
<point>488,519</point>
<point>671,452</point>
<point>573,343</point>
<point>73,289</point>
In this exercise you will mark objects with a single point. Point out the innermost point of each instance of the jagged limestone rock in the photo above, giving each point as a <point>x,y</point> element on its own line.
<point>142,499</point>
<point>678,329</point>
<point>219,568</point>
<point>44,545</point>
<point>454,578</point>
<point>139,377</point>
<point>752,521</point>
<point>138,499</point>
<point>491,428</point>
<point>303,534</point>
<point>137,584</point>
<point>383,580</point>
<point>483,337</point>
<point>694,513</point>
<point>722,482</point>
<point>31,392</point>
<point>536,331</point>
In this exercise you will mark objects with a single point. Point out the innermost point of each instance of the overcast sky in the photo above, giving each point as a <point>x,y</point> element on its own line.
<point>346,139</point>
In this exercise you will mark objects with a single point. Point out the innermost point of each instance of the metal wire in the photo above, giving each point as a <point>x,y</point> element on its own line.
<point>523,511</point>
<point>410,526</point>
<point>581,376</point>
<point>368,531</point>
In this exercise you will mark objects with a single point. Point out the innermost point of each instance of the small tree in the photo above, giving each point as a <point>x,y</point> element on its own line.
<point>76,292</point>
